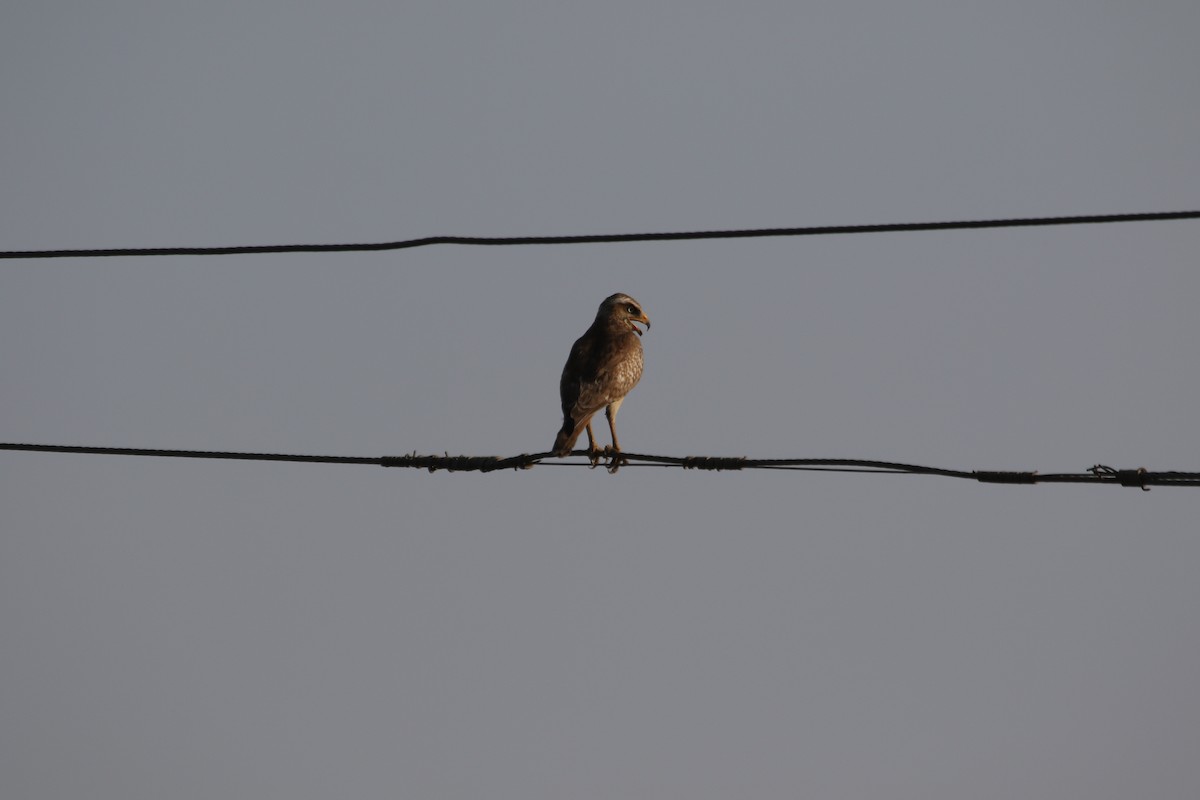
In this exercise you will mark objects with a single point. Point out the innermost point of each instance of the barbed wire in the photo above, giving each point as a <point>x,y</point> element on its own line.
<point>602,238</point>
<point>1098,474</point>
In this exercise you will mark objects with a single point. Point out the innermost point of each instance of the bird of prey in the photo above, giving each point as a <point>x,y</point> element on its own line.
<point>605,363</point>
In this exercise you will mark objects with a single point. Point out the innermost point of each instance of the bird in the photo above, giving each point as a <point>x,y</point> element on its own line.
<point>604,365</point>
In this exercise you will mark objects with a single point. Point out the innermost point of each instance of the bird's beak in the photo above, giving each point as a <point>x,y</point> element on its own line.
<point>642,318</point>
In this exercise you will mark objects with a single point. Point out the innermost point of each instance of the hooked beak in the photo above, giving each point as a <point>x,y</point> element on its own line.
<point>642,318</point>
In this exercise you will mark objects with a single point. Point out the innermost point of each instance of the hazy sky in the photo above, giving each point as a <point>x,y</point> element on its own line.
<point>180,629</point>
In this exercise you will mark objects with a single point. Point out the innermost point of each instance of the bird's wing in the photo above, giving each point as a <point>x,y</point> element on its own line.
<point>575,372</point>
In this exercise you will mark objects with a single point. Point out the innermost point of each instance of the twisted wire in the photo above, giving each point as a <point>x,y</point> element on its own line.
<point>1098,474</point>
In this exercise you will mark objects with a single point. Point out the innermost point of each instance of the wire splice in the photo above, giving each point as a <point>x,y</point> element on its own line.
<point>1006,477</point>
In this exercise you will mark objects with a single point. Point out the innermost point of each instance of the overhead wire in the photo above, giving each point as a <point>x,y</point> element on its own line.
<point>1099,474</point>
<point>603,238</point>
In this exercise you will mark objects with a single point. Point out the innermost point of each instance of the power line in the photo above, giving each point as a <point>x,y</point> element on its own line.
<point>603,238</point>
<point>1099,474</point>
<point>135,451</point>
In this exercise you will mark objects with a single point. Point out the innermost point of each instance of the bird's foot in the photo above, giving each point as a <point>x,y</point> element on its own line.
<point>615,460</point>
<point>594,456</point>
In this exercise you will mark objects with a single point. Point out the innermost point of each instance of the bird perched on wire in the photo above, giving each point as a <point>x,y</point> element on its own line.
<point>604,365</point>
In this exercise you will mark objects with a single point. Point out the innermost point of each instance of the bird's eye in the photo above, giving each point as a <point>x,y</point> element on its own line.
<point>634,311</point>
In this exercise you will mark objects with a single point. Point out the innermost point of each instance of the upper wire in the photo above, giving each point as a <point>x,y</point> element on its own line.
<point>601,238</point>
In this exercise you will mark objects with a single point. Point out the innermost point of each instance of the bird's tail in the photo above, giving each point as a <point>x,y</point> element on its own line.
<point>564,443</point>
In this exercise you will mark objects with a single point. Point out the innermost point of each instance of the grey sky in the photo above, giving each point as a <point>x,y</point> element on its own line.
<point>183,629</point>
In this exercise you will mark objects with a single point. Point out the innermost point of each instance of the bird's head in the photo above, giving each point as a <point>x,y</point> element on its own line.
<point>621,313</point>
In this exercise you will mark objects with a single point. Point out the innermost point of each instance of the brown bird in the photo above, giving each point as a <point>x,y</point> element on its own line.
<point>604,365</point>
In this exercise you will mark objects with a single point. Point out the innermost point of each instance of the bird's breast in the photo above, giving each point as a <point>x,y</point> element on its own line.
<point>629,370</point>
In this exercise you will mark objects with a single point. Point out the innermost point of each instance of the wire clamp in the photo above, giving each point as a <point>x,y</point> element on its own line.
<point>1125,477</point>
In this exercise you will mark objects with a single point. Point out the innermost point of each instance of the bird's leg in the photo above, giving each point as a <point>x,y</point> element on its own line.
<point>611,412</point>
<point>593,451</point>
